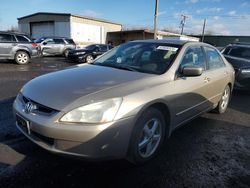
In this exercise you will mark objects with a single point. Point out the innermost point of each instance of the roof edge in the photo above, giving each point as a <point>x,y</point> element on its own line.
<point>69,14</point>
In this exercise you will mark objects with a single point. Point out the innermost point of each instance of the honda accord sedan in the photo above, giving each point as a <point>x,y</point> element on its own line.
<point>126,103</point>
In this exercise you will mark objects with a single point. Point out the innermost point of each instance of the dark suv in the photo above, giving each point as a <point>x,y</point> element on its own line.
<point>55,45</point>
<point>18,47</point>
<point>238,54</point>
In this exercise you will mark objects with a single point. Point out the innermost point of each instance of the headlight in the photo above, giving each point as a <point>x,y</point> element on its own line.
<point>100,112</point>
<point>80,53</point>
<point>245,71</point>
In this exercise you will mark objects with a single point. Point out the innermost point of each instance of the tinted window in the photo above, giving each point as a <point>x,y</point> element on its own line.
<point>59,41</point>
<point>91,47</point>
<point>240,52</point>
<point>22,39</point>
<point>194,56</point>
<point>70,41</point>
<point>7,38</point>
<point>103,48</point>
<point>214,59</point>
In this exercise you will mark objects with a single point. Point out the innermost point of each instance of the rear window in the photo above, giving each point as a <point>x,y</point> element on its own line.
<point>7,38</point>
<point>22,38</point>
<point>241,52</point>
<point>70,41</point>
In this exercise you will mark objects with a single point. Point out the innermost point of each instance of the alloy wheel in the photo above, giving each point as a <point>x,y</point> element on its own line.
<point>150,138</point>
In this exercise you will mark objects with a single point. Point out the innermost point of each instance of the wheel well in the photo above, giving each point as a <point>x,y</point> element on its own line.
<point>230,85</point>
<point>22,51</point>
<point>163,108</point>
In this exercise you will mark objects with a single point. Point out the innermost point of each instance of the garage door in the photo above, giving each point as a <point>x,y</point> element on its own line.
<point>42,29</point>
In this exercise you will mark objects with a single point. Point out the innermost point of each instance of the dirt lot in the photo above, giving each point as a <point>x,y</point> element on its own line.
<point>211,151</point>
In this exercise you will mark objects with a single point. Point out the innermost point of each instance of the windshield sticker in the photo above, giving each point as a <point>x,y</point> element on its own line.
<point>167,48</point>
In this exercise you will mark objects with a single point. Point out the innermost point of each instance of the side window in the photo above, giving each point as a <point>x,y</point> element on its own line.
<point>49,41</point>
<point>214,59</point>
<point>240,52</point>
<point>103,48</point>
<point>59,41</point>
<point>22,39</point>
<point>7,38</point>
<point>194,56</point>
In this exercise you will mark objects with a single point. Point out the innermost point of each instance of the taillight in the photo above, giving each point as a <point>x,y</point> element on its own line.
<point>34,44</point>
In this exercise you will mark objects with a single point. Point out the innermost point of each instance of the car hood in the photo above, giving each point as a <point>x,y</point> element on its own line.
<point>80,50</point>
<point>59,89</point>
<point>238,62</point>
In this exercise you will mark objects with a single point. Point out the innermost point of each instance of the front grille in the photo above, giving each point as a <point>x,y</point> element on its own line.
<point>40,109</point>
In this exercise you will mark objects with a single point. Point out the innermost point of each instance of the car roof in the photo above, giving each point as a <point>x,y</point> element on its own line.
<point>54,37</point>
<point>241,44</point>
<point>175,42</point>
<point>12,33</point>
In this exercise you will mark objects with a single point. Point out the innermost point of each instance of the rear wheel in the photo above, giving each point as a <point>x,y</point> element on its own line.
<point>148,136</point>
<point>224,101</point>
<point>66,53</point>
<point>22,58</point>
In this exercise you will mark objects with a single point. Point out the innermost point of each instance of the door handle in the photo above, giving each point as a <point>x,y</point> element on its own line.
<point>207,79</point>
<point>14,44</point>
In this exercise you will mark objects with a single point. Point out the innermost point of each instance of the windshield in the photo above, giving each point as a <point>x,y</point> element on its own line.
<point>40,40</point>
<point>91,47</point>
<point>154,58</point>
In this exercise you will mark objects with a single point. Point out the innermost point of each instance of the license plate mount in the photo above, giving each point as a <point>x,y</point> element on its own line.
<point>23,123</point>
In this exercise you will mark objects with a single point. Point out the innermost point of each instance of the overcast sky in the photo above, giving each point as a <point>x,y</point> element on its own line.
<point>227,17</point>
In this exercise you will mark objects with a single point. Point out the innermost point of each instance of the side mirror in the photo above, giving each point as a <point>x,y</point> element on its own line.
<point>45,43</point>
<point>192,71</point>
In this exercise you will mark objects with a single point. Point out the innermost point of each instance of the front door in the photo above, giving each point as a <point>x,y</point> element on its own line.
<point>190,96</point>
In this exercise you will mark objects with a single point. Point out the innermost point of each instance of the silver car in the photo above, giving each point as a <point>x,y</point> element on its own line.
<point>127,102</point>
<point>51,46</point>
<point>18,47</point>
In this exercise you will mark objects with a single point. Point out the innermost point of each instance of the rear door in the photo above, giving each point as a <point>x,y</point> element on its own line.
<point>59,46</point>
<point>217,74</point>
<point>7,42</point>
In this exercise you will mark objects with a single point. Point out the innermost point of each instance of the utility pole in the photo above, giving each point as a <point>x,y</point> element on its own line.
<point>203,30</point>
<point>183,22</point>
<point>155,19</point>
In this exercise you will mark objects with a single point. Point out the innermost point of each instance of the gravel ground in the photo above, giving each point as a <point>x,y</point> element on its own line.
<point>211,151</point>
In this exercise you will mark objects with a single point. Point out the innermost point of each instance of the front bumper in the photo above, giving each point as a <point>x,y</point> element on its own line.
<point>95,142</point>
<point>78,58</point>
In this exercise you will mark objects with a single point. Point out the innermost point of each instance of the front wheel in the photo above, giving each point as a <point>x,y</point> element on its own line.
<point>148,136</point>
<point>89,58</point>
<point>22,58</point>
<point>224,101</point>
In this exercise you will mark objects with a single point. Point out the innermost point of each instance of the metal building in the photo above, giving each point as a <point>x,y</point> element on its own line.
<point>84,30</point>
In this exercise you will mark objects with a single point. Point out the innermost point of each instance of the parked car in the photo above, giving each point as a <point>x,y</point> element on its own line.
<point>55,45</point>
<point>89,53</point>
<point>238,54</point>
<point>126,102</point>
<point>18,47</point>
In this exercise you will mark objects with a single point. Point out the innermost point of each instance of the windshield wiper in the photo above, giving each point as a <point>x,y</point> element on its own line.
<point>117,66</point>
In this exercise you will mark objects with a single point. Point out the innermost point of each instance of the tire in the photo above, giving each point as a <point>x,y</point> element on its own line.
<point>223,103</point>
<point>66,53</point>
<point>148,136</point>
<point>22,58</point>
<point>89,59</point>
